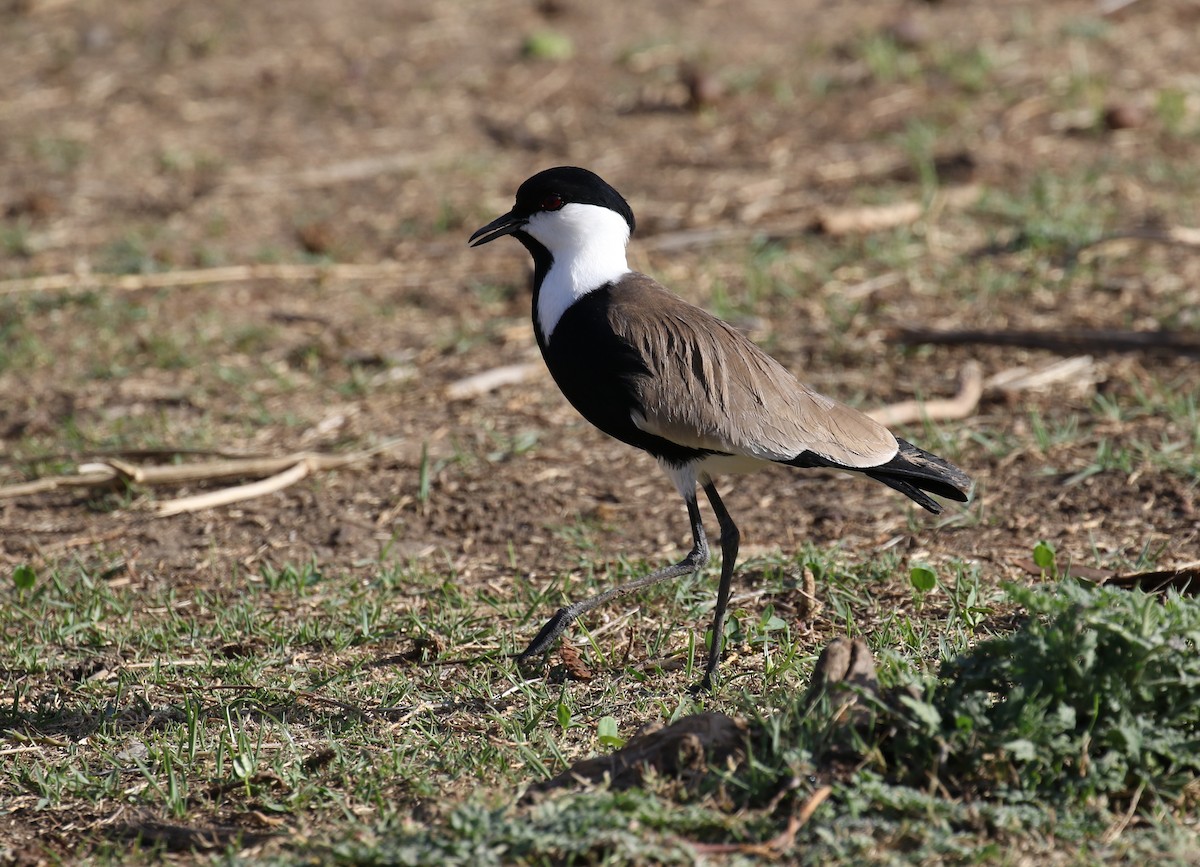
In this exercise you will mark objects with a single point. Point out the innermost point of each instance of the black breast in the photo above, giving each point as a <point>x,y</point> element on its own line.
<point>595,369</point>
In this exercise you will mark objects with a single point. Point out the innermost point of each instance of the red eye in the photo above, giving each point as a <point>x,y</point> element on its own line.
<point>552,202</point>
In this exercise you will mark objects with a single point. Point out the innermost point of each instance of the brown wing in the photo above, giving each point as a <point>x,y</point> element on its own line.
<point>707,386</point>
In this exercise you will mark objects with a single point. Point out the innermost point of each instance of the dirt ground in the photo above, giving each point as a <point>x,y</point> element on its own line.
<point>149,137</point>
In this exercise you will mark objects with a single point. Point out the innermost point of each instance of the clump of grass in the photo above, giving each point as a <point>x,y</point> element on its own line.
<point>1096,696</point>
<point>1054,733</point>
<point>1083,718</point>
<point>598,828</point>
<point>548,45</point>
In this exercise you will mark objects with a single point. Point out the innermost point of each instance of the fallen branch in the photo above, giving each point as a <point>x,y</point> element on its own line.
<point>1078,370</point>
<point>225,496</point>
<point>110,470</point>
<point>1065,341</point>
<point>877,218</point>
<point>200,277</point>
<point>60,457</point>
<point>684,239</point>
<point>1108,8</point>
<point>93,479</point>
<point>1185,579</point>
<point>256,180</point>
<point>490,380</point>
<point>1174,236</point>
<point>970,390</point>
<point>872,168</point>
<point>781,842</point>
<point>282,472</point>
<point>831,221</point>
<point>184,838</point>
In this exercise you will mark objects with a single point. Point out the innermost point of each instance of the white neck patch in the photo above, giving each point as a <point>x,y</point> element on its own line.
<point>588,246</point>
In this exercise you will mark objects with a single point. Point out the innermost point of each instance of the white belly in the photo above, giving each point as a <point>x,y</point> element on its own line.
<point>720,465</point>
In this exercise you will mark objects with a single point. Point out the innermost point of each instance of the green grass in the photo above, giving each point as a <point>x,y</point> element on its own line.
<point>304,694</point>
<point>295,692</point>
<point>363,706</point>
<point>1089,707</point>
<point>298,692</point>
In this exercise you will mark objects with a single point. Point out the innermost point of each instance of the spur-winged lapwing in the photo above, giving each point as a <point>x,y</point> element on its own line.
<point>656,372</point>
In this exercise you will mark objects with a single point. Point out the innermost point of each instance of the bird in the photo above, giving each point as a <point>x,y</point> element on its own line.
<point>659,373</point>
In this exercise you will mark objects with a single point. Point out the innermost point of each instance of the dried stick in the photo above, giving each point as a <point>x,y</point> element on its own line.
<point>225,496</point>
<point>1067,341</point>
<point>877,218</point>
<point>778,844</point>
<point>200,277</point>
<point>101,473</point>
<point>286,470</point>
<point>970,390</point>
<point>1078,370</point>
<point>490,380</point>
<point>92,479</point>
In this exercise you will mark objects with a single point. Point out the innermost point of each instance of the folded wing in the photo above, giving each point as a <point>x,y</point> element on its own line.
<point>706,386</point>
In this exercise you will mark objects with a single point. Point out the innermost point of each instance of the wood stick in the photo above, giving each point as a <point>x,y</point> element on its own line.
<point>970,390</point>
<point>107,472</point>
<point>176,474</point>
<point>225,496</point>
<point>778,844</point>
<point>490,380</point>
<point>124,453</point>
<point>1071,341</point>
<point>257,181</point>
<point>201,277</point>
<point>90,479</point>
<point>1077,370</point>
<point>877,218</point>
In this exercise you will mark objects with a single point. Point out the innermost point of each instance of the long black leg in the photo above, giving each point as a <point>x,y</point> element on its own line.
<point>730,537</point>
<point>693,562</point>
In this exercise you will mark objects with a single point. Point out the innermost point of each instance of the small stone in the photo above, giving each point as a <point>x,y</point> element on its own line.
<point>316,238</point>
<point>908,31</point>
<point>1124,115</point>
<point>704,89</point>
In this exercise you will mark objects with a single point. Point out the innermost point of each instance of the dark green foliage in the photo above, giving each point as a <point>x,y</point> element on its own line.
<point>1097,694</point>
<point>1088,710</point>
<point>601,828</point>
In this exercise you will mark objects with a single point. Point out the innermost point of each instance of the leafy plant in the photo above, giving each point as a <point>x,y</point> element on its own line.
<point>24,577</point>
<point>608,734</point>
<point>1097,695</point>
<point>922,578</point>
<point>1045,559</point>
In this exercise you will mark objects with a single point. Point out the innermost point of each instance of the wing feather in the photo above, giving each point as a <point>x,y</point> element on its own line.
<point>706,386</point>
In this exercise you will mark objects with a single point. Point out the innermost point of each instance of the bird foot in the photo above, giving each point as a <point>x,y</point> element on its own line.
<point>706,685</point>
<point>540,646</point>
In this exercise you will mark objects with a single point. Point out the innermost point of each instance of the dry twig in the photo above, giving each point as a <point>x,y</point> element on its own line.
<point>1078,371</point>
<point>225,496</point>
<point>970,390</point>
<point>201,277</point>
<point>283,471</point>
<point>684,749</point>
<point>778,844</point>
<point>1065,340</point>
<point>877,218</point>
<point>490,380</point>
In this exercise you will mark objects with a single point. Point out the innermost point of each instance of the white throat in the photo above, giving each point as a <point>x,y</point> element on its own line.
<point>588,246</point>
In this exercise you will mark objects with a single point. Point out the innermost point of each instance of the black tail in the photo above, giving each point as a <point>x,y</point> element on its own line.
<point>913,471</point>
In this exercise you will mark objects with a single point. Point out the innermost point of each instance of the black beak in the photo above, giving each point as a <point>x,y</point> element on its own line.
<point>505,225</point>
